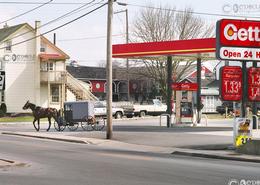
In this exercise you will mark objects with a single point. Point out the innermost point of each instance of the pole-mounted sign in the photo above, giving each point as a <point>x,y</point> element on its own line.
<point>185,86</point>
<point>238,40</point>
<point>253,79</point>
<point>231,83</point>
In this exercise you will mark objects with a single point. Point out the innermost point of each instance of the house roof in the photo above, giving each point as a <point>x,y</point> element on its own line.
<point>86,72</point>
<point>214,83</point>
<point>7,31</point>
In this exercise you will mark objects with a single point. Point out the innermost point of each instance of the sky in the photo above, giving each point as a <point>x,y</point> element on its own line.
<point>85,39</point>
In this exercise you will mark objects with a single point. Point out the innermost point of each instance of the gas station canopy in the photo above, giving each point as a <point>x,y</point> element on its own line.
<point>203,48</point>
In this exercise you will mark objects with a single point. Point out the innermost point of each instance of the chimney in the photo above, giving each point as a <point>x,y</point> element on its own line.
<point>5,25</point>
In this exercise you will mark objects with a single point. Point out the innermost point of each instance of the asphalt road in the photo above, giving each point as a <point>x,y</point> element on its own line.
<point>59,163</point>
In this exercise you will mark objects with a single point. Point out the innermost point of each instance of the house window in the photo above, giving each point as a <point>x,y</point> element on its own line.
<point>50,66</point>
<point>55,93</point>
<point>43,47</point>
<point>47,66</point>
<point>8,46</point>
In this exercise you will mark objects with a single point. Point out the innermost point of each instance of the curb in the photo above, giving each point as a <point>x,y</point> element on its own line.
<point>212,156</point>
<point>4,163</point>
<point>50,138</point>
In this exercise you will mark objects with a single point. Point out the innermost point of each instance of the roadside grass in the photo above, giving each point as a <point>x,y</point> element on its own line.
<point>19,119</point>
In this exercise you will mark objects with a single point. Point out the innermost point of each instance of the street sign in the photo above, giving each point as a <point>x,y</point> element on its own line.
<point>253,74</point>
<point>2,80</point>
<point>231,83</point>
<point>242,131</point>
<point>185,86</point>
<point>238,40</point>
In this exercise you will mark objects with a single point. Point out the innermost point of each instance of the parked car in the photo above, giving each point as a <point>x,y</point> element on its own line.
<point>127,106</point>
<point>154,107</point>
<point>129,111</point>
<point>101,110</point>
<point>222,109</point>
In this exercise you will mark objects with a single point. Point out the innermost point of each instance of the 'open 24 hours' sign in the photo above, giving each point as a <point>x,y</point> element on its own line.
<point>238,40</point>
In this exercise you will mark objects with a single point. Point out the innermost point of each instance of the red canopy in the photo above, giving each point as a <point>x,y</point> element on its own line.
<point>176,47</point>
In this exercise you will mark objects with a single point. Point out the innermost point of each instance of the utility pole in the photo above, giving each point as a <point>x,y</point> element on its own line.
<point>127,61</point>
<point>127,40</point>
<point>109,70</point>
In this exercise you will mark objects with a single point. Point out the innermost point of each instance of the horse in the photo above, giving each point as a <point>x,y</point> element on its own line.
<point>39,112</point>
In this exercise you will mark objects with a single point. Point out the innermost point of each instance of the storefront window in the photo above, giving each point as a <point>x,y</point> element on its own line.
<point>55,93</point>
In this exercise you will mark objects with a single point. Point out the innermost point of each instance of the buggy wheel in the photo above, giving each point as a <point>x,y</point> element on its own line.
<point>59,126</point>
<point>73,126</point>
<point>86,126</point>
<point>99,124</point>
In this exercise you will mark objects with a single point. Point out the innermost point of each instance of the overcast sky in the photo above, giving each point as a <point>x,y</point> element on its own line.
<point>84,40</point>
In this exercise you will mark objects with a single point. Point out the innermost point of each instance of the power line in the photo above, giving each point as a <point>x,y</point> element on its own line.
<point>88,38</point>
<point>58,27</point>
<point>37,7</point>
<point>183,11</point>
<point>76,10</point>
<point>30,3</point>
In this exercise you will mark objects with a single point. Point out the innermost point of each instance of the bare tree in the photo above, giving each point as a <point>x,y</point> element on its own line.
<point>115,64</point>
<point>164,24</point>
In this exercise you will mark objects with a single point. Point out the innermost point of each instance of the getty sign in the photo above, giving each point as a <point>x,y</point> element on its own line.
<point>238,40</point>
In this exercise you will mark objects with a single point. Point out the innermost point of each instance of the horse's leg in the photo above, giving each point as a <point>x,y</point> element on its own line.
<point>35,125</point>
<point>49,119</point>
<point>38,120</point>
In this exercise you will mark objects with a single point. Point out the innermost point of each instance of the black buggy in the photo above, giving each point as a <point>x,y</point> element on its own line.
<point>79,112</point>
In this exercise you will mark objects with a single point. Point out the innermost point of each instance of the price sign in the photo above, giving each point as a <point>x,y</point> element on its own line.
<point>253,74</point>
<point>231,83</point>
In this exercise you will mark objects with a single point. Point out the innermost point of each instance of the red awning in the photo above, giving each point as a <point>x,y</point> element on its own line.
<point>45,57</point>
<point>177,47</point>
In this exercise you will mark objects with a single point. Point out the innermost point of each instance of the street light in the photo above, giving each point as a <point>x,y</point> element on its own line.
<point>127,39</point>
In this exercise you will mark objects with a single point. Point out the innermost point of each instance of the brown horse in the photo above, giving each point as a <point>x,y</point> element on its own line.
<point>39,112</point>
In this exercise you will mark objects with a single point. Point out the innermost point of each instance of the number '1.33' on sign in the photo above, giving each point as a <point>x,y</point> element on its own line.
<point>231,83</point>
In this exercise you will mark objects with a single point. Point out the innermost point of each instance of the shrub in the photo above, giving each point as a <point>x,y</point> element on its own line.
<point>3,108</point>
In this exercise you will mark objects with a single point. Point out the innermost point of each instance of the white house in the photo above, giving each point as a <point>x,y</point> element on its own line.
<point>35,70</point>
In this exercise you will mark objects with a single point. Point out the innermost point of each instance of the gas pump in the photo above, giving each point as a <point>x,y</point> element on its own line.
<point>187,112</point>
